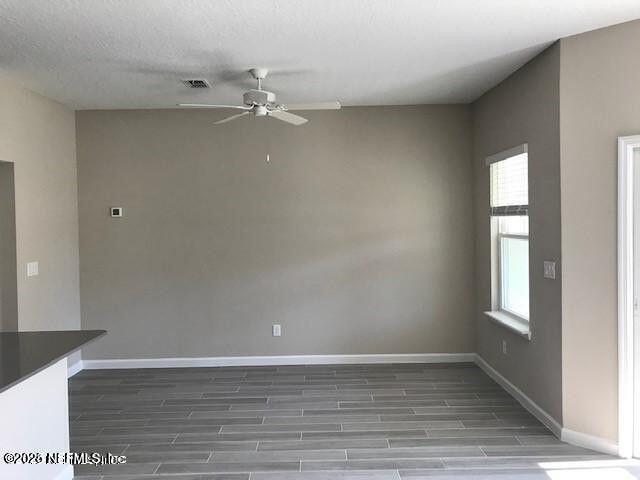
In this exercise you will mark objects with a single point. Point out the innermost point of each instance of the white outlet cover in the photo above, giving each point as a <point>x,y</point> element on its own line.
<point>550,270</point>
<point>276,330</point>
<point>32,269</point>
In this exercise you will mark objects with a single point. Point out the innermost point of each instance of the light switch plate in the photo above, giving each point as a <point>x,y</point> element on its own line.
<point>550,270</point>
<point>32,269</point>
<point>276,330</point>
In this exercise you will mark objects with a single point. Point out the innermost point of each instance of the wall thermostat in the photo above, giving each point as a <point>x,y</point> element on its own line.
<point>116,211</point>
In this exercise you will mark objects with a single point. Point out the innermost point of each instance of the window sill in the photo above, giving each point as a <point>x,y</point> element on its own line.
<point>516,325</point>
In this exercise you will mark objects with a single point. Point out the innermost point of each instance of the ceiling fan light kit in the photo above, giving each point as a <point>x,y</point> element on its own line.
<point>263,104</point>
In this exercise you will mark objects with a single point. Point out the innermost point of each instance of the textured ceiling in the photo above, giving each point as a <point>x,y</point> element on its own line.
<point>133,53</point>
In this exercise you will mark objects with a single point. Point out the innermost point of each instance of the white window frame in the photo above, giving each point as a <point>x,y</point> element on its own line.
<point>498,314</point>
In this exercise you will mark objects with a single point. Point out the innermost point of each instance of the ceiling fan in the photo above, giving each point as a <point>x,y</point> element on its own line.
<point>263,104</point>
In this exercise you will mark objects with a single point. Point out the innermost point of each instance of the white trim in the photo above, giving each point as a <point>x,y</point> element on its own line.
<point>75,368</point>
<point>173,362</point>
<point>508,153</point>
<point>511,322</point>
<point>626,146</point>
<point>66,474</point>
<point>589,441</point>
<point>533,408</point>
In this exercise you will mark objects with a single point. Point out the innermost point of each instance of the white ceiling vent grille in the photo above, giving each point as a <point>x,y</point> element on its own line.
<point>196,83</point>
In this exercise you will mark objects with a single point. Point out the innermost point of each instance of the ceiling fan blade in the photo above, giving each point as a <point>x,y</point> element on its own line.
<point>314,106</point>
<point>206,105</point>
<point>232,117</point>
<point>288,117</point>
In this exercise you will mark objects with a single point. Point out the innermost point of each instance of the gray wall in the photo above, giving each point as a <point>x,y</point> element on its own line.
<point>38,136</point>
<point>357,237</point>
<point>8,275</point>
<point>524,108</point>
<point>600,100</point>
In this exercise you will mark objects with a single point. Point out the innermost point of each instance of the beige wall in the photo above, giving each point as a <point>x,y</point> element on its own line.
<point>38,136</point>
<point>356,237</point>
<point>600,100</point>
<point>524,109</point>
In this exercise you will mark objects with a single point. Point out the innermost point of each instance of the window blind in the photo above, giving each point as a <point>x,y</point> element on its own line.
<point>510,186</point>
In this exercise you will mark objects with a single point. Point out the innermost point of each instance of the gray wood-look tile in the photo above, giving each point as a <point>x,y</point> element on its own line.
<point>380,404</point>
<point>237,437</point>
<point>279,456</point>
<point>358,411</point>
<point>460,442</point>
<point>237,413</point>
<point>437,416</point>
<point>175,456</point>
<point>416,452</point>
<point>127,468</point>
<point>326,418</point>
<point>211,476</point>
<point>475,474</point>
<point>118,431</point>
<point>330,475</point>
<point>485,432</point>
<point>539,440</point>
<point>372,464</point>
<point>121,439</point>
<point>215,467</point>
<point>193,447</point>
<point>512,462</point>
<point>386,434</point>
<point>320,422</point>
<point>271,427</point>
<point>508,422</point>
<point>535,451</point>
<point>200,421</point>
<point>342,444</point>
<point>407,425</point>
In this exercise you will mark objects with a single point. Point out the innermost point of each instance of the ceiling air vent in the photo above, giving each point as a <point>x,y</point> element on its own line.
<point>196,83</point>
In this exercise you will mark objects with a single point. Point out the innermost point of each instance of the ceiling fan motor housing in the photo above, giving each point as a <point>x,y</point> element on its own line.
<point>258,97</point>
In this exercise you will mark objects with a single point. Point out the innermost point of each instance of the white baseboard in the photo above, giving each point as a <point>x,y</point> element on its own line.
<point>533,408</point>
<point>589,441</point>
<point>173,362</point>
<point>75,368</point>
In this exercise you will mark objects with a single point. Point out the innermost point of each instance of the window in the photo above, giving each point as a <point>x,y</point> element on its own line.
<point>513,245</point>
<point>510,233</point>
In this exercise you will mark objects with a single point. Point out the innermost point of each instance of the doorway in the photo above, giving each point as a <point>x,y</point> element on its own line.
<point>629,296</point>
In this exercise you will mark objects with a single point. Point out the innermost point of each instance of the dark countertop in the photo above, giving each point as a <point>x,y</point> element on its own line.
<point>23,354</point>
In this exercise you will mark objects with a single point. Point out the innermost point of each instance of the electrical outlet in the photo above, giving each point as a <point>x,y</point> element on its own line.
<point>276,330</point>
<point>504,347</point>
<point>116,212</point>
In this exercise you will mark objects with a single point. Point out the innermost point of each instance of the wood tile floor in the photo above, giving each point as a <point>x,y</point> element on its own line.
<point>378,422</point>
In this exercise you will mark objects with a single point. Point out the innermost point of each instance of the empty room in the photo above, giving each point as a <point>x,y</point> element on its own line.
<point>319,240</point>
